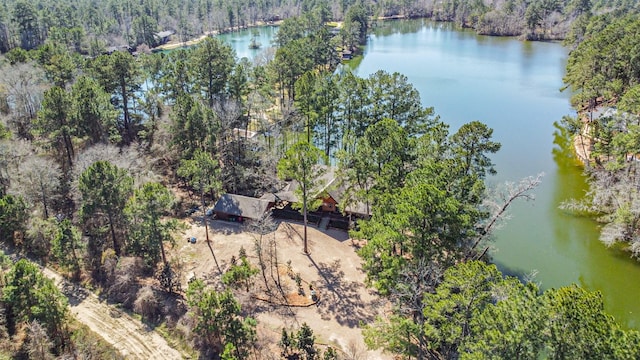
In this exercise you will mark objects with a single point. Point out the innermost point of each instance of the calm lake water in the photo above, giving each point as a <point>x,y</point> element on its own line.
<point>241,40</point>
<point>513,86</point>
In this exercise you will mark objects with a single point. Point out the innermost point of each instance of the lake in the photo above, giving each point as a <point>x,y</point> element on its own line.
<point>240,40</point>
<point>512,86</point>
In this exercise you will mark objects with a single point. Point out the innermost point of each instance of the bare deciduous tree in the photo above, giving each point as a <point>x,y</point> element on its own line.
<point>123,280</point>
<point>147,303</point>
<point>615,199</point>
<point>39,345</point>
<point>497,204</point>
<point>12,154</point>
<point>130,158</point>
<point>353,351</point>
<point>25,86</point>
<point>38,236</point>
<point>38,181</point>
<point>260,228</point>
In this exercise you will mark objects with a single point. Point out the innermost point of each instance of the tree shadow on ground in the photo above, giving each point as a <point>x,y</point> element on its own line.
<point>75,293</point>
<point>340,298</point>
<point>293,236</point>
<point>223,227</point>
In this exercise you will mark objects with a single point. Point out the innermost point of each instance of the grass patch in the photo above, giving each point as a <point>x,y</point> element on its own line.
<point>91,344</point>
<point>176,339</point>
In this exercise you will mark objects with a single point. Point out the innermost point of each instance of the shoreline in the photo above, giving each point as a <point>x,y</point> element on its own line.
<point>582,144</point>
<point>172,45</point>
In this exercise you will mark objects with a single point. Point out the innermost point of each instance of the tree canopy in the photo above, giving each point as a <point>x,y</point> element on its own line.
<point>96,139</point>
<point>477,313</point>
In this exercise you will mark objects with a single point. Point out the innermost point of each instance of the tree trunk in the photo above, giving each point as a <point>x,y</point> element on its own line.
<point>164,257</point>
<point>261,262</point>
<point>306,249</point>
<point>68,144</point>
<point>308,129</point>
<point>125,110</point>
<point>206,228</point>
<point>116,246</point>
<point>304,214</point>
<point>44,200</point>
<point>204,212</point>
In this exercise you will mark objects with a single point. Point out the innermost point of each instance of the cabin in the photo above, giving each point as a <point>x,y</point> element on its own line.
<point>335,209</point>
<point>111,49</point>
<point>245,133</point>
<point>325,181</point>
<point>347,55</point>
<point>240,208</point>
<point>355,209</point>
<point>329,203</point>
<point>163,37</point>
<point>331,192</point>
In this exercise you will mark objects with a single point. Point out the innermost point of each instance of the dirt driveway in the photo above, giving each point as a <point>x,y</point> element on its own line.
<point>332,267</point>
<point>129,336</point>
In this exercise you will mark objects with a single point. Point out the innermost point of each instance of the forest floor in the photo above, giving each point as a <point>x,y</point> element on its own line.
<point>333,269</point>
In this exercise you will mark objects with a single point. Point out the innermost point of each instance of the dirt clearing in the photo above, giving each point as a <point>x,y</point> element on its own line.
<point>332,268</point>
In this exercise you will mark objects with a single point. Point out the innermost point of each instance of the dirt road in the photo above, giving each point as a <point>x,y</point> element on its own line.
<point>128,335</point>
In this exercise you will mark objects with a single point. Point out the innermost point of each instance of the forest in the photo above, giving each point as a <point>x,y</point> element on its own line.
<point>90,27</point>
<point>95,146</point>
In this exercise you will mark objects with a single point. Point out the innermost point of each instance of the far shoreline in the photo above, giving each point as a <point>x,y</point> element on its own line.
<point>172,45</point>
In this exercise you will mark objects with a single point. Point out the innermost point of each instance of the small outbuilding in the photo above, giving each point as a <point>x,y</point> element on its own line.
<point>240,208</point>
<point>244,133</point>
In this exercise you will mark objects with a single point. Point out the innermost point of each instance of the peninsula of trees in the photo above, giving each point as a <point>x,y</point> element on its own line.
<point>604,76</point>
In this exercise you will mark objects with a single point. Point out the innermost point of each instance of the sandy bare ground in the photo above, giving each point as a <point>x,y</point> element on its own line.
<point>128,335</point>
<point>333,268</point>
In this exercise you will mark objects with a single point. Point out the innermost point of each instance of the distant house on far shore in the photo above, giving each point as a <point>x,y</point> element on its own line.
<point>248,134</point>
<point>163,36</point>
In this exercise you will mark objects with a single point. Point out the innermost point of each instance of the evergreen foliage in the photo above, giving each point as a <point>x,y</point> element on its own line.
<point>219,322</point>
<point>184,115</point>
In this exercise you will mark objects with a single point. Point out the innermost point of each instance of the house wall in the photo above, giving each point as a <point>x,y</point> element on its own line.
<point>329,204</point>
<point>225,216</point>
<point>221,215</point>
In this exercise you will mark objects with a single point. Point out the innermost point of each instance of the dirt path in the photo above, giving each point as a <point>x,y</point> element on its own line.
<point>129,336</point>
